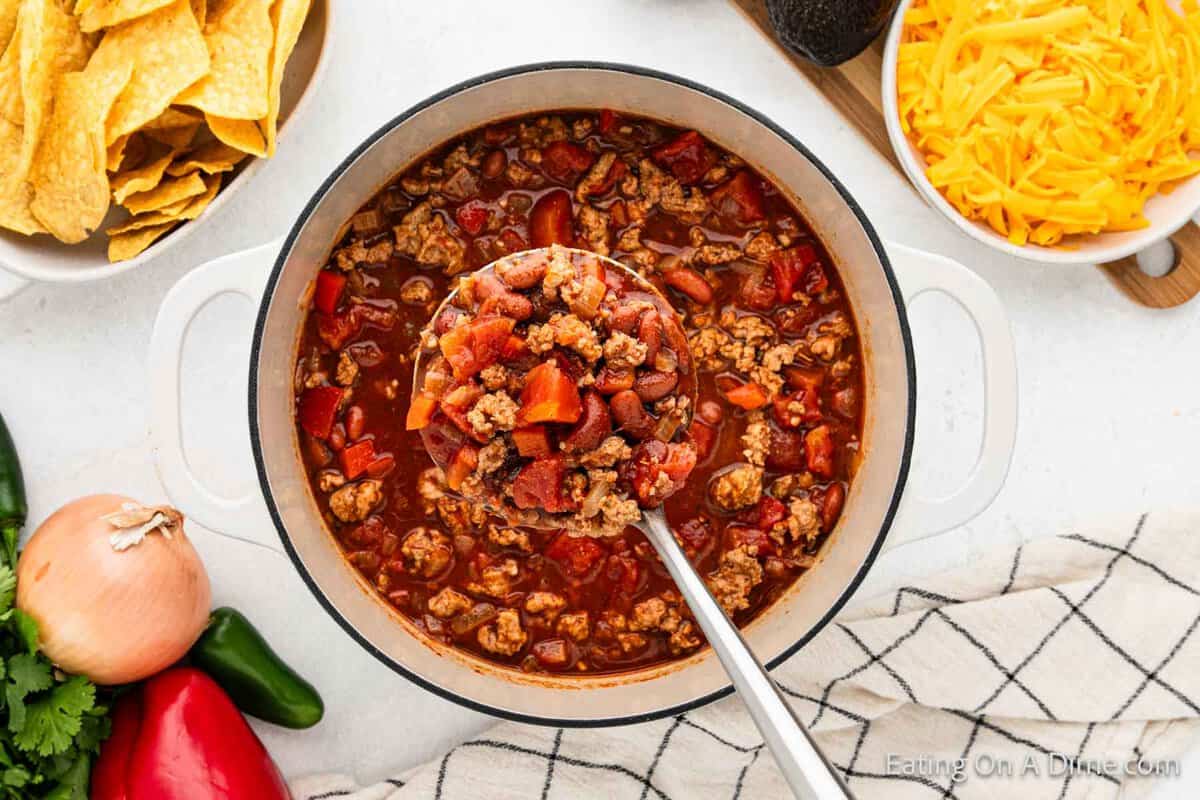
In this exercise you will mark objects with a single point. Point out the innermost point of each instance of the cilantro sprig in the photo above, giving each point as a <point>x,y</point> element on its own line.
<point>51,724</point>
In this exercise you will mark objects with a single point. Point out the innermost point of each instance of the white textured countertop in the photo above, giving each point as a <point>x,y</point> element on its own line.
<point>1110,392</point>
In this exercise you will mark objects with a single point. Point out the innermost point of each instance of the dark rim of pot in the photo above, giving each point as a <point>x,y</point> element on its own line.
<point>273,280</point>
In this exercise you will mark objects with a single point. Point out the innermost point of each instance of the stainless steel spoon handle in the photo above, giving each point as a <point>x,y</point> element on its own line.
<point>804,767</point>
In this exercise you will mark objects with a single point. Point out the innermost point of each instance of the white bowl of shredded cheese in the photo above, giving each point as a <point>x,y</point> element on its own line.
<point>1040,139</point>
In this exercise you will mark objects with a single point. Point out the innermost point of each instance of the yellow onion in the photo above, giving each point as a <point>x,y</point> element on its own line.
<point>117,590</point>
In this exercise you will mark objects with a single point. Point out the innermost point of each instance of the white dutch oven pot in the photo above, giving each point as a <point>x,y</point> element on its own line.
<point>878,296</point>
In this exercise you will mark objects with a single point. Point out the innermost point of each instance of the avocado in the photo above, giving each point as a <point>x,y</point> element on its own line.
<point>828,32</point>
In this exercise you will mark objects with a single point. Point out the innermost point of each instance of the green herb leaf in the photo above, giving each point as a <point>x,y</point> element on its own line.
<point>27,630</point>
<point>73,785</point>
<point>53,721</point>
<point>8,587</point>
<point>29,674</point>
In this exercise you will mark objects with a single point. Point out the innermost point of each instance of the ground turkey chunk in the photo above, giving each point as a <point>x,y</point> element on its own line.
<point>355,501</point>
<point>425,237</point>
<point>492,457</point>
<point>738,573</point>
<point>494,377</point>
<point>707,346</point>
<point>495,581</point>
<point>510,537</point>
<point>545,606</point>
<point>803,523</point>
<point>347,369</point>
<point>492,412</point>
<point>756,440</point>
<point>611,451</point>
<point>504,636</point>
<point>595,177</point>
<point>622,351</point>
<point>574,626</point>
<point>447,603</point>
<point>558,271</point>
<point>737,488</point>
<point>567,331</point>
<point>594,225</point>
<point>426,552</point>
<point>660,189</point>
<point>356,253</point>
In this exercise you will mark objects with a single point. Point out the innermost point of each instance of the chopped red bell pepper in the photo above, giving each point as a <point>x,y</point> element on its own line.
<point>550,219</point>
<point>748,396</point>
<point>472,348</point>
<point>818,451</point>
<point>328,292</point>
<point>549,396</point>
<point>318,409</point>
<point>514,348</point>
<point>795,268</point>
<point>420,411</point>
<point>652,460</point>
<point>338,328</point>
<point>740,198</point>
<point>769,512</point>
<point>462,465</point>
<point>810,408</point>
<point>608,121</point>
<point>357,457</point>
<point>472,217</point>
<point>577,555</point>
<point>703,437</point>
<point>561,160</point>
<point>687,156</point>
<point>532,441</point>
<point>539,484</point>
<point>179,737</point>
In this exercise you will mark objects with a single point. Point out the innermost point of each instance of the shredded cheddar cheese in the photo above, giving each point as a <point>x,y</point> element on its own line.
<point>1047,119</point>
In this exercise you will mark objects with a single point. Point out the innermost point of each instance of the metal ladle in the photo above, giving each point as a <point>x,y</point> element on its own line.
<point>809,774</point>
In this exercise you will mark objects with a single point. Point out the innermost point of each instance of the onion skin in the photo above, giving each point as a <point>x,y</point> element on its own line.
<point>114,617</point>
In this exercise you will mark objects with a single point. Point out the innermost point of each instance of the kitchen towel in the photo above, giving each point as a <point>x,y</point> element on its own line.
<point>1066,668</point>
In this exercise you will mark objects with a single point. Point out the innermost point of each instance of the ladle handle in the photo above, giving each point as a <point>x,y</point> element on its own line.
<point>809,774</point>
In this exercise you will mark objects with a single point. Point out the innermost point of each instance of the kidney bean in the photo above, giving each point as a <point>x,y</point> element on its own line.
<point>366,560</point>
<point>508,304</point>
<point>624,319</point>
<point>611,381</point>
<point>630,416</point>
<point>691,283</point>
<point>651,386</point>
<point>595,423</point>
<point>381,466</point>
<point>356,422</point>
<point>337,437</point>
<point>650,333</point>
<point>524,274</point>
<point>845,402</point>
<point>677,341</point>
<point>447,320</point>
<point>317,451</point>
<point>710,411</point>
<point>786,452</point>
<point>494,164</point>
<point>831,506</point>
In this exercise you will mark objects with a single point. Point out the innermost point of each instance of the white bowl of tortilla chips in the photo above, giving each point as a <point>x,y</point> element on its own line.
<point>124,123</point>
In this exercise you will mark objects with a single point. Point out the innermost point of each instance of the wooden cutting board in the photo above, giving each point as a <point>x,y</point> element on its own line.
<point>854,89</point>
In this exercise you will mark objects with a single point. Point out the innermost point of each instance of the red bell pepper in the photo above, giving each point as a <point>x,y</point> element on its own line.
<point>180,737</point>
<point>550,219</point>
<point>318,408</point>
<point>328,293</point>
<point>357,457</point>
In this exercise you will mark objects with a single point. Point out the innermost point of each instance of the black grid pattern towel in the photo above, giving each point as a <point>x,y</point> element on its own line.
<point>1080,646</point>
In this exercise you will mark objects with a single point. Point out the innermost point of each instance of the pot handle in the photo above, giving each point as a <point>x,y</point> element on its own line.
<point>243,518</point>
<point>920,272</point>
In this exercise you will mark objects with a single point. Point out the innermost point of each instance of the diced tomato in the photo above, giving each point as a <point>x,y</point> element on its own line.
<point>511,242</point>
<point>804,378</point>
<point>377,314</point>
<point>462,465</point>
<point>818,451</point>
<point>442,440</point>
<point>337,329</point>
<point>686,156</point>
<point>472,217</point>
<point>757,292</point>
<point>679,462</point>
<point>550,219</point>
<point>768,513</point>
<point>624,572</point>
<point>328,292</point>
<point>357,457</point>
<point>745,536</point>
<point>810,411</point>
<point>703,437</point>
<point>815,280</point>
<point>539,484</point>
<point>551,652</point>
<point>549,396</point>
<point>740,198</point>
<point>457,402</point>
<point>748,396</point>
<point>420,411</point>
<point>471,348</point>
<point>318,409</point>
<point>578,555</point>
<point>796,268</point>
<point>786,452</point>
<point>695,534</point>
<point>532,441</point>
<point>608,121</point>
<point>617,171</point>
<point>652,460</point>
<point>561,160</point>
<point>514,348</point>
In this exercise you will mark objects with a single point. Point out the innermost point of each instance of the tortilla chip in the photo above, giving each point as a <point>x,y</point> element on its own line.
<point>190,209</point>
<point>175,138</point>
<point>287,17</point>
<point>242,134</point>
<point>211,158</point>
<point>164,194</point>
<point>142,179</point>
<point>51,44</point>
<point>70,184</point>
<point>168,55</point>
<point>12,107</point>
<point>239,38</point>
<point>8,21</point>
<point>127,245</point>
<point>114,154</point>
<point>15,191</point>
<point>99,14</point>
<point>200,9</point>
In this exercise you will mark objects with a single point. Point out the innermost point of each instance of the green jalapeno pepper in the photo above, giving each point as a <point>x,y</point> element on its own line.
<point>237,657</point>
<point>13,508</point>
